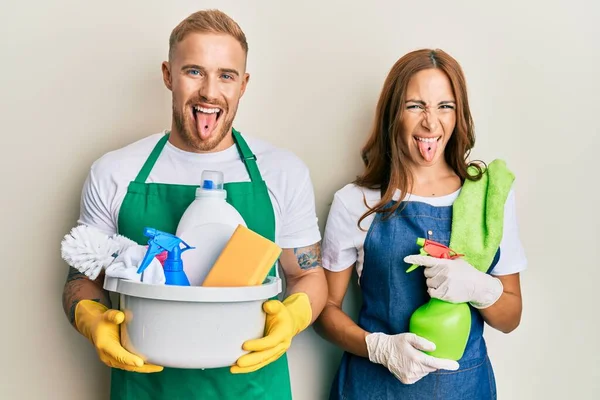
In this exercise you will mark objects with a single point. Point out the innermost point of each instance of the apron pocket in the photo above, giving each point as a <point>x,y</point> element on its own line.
<point>474,381</point>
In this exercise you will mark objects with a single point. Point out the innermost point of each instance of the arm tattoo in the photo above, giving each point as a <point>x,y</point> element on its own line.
<point>75,289</point>
<point>309,257</point>
<point>74,275</point>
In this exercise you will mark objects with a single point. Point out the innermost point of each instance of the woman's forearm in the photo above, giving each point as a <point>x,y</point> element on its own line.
<point>337,327</point>
<point>505,314</point>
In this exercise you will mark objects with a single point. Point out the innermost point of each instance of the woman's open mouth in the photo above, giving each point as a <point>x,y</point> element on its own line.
<point>427,146</point>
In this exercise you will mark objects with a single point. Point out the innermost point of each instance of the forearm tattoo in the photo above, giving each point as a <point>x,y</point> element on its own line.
<point>75,289</point>
<point>309,257</point>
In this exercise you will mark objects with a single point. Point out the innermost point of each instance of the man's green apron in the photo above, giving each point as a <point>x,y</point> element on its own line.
<point>161,206</point>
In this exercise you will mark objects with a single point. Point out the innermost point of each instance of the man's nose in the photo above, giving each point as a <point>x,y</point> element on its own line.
<point>209,89</point>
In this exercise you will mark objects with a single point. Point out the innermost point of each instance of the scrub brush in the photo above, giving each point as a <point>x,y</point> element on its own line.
<point>88,249</point>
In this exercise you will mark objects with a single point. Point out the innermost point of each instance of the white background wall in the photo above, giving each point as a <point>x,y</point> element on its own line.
<point>78,79</point>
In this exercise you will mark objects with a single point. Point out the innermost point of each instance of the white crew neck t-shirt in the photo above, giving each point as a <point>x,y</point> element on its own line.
<point>343,241</point>
<point>287,178</point>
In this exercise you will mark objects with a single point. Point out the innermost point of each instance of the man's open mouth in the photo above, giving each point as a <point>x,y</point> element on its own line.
<point>206,119</point>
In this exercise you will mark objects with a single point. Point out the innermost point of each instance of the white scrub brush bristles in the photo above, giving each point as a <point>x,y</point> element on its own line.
<point>89,250</point>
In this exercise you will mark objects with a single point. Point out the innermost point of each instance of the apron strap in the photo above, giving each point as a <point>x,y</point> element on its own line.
<point>247,156</point>
<point>151,160</point>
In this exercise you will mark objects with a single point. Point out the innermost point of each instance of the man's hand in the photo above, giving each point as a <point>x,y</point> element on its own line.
<point>101,326</point>
<point>457,281</point>
<point>401,355</point>
<point>284,321</point>
<point>307,293</point>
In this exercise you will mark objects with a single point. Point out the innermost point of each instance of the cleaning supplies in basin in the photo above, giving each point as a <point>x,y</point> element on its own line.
<point>126,266</point>
<point>89,250</point>
<point>207,224</point>
<point>173,265</point>
<point>245,261</point>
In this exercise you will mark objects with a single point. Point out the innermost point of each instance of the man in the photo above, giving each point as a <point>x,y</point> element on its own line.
<point>143,184</point>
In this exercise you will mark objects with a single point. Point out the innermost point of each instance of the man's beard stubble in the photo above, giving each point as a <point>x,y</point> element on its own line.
<point>186,131</point>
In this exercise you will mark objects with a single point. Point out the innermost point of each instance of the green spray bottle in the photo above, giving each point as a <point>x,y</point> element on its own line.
<point>448,325</point>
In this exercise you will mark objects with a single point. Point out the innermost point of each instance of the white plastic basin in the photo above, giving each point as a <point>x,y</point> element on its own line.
<point>190,326</point>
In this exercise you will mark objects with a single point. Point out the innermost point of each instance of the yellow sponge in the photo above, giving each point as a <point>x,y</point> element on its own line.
<point>245,261</point>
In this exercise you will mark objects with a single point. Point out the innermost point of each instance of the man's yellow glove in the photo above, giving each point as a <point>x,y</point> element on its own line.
<point>101,326</point>
<point>284,321</point>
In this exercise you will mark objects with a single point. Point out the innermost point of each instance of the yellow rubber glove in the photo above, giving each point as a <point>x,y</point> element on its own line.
<point>284,321</point>
<point>101,326</point>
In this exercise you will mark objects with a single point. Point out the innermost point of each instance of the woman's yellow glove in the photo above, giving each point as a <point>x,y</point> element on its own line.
<point>284,321</point>
<point>101,326</point>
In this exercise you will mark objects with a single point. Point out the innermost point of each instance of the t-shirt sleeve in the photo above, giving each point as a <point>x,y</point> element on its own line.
<point>339,250</point>
<point>300,226</point>
<point>95,204</point>
<point>512,254</point>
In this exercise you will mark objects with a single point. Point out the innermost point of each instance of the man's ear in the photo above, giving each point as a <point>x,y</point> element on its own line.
<point>166,71</point>
<point>245,80</point>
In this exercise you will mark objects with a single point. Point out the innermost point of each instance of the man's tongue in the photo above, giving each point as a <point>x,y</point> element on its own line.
<point>205,123</point>
<point>427,149</point>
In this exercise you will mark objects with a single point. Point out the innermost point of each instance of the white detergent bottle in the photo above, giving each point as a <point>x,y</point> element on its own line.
<point>207,224</point>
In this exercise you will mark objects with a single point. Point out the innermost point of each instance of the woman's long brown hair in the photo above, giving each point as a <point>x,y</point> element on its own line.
<point>385,154</point>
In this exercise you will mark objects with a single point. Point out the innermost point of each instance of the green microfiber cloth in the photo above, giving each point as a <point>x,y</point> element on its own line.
<point>478,215</point>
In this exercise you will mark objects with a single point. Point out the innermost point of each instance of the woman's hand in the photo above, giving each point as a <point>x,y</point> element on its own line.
<point>401,354</point>
<point>457,281</point>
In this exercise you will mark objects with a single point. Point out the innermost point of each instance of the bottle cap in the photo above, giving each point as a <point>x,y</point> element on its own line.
<point>211,184</point>
<point>212,180</point>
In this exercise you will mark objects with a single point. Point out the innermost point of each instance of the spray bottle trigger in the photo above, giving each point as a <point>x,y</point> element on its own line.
<point>150,254</point>
<point>415,266</point>
<point>186,247</point>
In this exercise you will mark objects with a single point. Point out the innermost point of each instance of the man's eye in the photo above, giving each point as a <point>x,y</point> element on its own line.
<point>226,76</point>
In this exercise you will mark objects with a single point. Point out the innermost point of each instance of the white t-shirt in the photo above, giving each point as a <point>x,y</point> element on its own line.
<point>287,178</point>
<point>343,241</point>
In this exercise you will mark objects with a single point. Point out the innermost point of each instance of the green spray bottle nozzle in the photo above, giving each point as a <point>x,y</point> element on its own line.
<point>433,249</point>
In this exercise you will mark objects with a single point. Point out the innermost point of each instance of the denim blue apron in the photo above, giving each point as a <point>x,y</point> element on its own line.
<point>390,296</point>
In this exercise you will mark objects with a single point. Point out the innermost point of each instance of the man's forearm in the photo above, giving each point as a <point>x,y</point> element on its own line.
<point>79,287</point>
<point>315,287</point>
<point>303,272</point>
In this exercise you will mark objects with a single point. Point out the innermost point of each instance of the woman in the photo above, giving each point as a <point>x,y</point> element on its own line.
<point>415,169</point>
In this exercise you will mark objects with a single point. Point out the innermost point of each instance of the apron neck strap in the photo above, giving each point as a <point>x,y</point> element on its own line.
<point>246,155</point>
<point>151,160</point>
